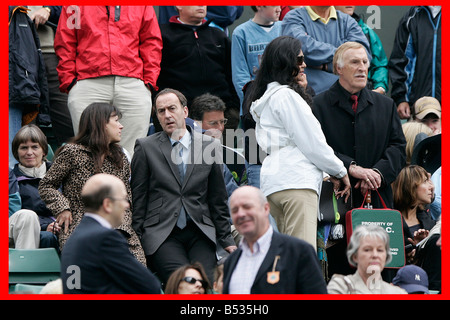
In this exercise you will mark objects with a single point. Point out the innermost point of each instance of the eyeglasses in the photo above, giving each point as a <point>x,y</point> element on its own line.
<point>123,199</point>
<point>221,122</point>
<point>300,60</point>
<point>193,280</point>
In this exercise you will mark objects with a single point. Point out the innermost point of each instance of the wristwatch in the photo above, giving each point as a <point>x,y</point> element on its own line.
<point>48,9</point>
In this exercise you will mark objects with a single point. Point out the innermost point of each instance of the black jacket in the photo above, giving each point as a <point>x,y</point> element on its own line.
<point>197,61</point>
<point>373,138</point>
<point>105,263</point>
<point>415,62</point>
<point>27,76</point>
<point>31,200</point>
<point>298,267</point>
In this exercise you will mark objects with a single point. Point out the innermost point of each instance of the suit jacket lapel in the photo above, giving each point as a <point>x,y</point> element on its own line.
<point>166,149</point>
<point>364,100</point>
<point>195,153</point>
<point>269,259</point>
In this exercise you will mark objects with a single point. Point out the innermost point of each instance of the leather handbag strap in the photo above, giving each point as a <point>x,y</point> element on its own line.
<point>381,199</point>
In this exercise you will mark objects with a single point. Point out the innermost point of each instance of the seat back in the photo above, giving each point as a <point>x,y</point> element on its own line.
<point>33,266</point>
<point>27,288</point>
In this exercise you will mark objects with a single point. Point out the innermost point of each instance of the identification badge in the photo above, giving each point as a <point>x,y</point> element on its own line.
<point>274,276</point>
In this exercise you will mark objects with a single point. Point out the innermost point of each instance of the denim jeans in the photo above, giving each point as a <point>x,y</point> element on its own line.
<point>253,174</point>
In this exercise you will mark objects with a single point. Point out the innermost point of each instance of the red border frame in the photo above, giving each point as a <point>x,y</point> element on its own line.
<point>4,295</point>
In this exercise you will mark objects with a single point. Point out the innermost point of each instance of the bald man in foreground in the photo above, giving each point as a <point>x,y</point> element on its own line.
<point>267,262</point>
<point>96,257</point>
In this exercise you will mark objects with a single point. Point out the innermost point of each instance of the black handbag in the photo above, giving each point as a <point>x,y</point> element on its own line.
<point>332,210</point>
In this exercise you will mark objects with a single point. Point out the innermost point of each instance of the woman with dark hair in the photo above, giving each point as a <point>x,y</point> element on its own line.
<point>413,190</point>
<point>286,129</point>
<point>94,150</point>
<point>188,279</point>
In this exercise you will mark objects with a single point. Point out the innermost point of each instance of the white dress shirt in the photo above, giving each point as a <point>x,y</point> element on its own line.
<point>249,263</point>
<point>99,219</point>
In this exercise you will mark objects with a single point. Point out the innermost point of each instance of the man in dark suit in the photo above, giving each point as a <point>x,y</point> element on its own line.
<point>96,257</point>
<point>267,262</point>
<point>364,129</point>
<point>369,138</point>
<point>179,196</point>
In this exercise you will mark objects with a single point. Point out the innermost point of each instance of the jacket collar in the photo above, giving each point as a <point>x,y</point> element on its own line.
<point>342,98</point>
<point>175,20</point>
<point>267,263</point>
<point>196,153</point>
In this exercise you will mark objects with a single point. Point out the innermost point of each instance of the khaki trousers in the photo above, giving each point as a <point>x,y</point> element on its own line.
<point>24,230</point>
<point>295,212</point>
<point>129,95</point>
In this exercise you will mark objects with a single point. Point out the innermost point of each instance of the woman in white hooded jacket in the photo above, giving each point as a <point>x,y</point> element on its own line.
<point>287,130</point>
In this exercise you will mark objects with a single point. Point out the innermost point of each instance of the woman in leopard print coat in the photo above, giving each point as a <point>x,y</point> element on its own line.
<point>94,150</point>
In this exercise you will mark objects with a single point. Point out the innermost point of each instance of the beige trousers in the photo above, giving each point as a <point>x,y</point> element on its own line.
<point>295,212</point>
<point>24,230</point>
<point>129,95</point>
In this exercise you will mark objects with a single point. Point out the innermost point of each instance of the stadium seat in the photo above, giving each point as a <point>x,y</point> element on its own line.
<point>27,288</point>
<point>33,266</point>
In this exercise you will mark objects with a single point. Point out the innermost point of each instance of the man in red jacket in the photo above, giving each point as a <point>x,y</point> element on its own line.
<point>110,54</point>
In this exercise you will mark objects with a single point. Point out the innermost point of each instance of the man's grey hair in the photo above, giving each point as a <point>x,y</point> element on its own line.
<point>338,59</point>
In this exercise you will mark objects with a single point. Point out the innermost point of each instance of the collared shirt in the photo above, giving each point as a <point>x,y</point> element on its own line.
<point>185,141</point>
<point>314,16</point>
<point>249,263</point>
<point>99,219</point>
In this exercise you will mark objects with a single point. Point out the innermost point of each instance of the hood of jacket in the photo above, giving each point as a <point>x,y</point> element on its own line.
<point>258,106</point>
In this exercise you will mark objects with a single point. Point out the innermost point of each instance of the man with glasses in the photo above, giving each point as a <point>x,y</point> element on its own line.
<point>97,258</point>
<point>208,112</point>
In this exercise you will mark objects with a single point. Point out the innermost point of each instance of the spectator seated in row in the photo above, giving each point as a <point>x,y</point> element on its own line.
<point>30,148</point>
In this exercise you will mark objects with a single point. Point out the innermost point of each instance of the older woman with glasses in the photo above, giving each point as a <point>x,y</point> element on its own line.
<point>188,279</point>
<point>94,150</point>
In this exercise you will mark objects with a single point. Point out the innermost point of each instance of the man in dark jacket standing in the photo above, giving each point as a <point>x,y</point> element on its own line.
<point>196,59</point>
<point>415,62</point>
<point>364,129</point>
<point>368,139</point>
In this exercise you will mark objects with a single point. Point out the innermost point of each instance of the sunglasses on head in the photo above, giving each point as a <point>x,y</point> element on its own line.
<point>300,60</point>
<point>193,280</point>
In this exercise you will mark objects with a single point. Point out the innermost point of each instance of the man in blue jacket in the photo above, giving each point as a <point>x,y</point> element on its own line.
<point>321,29</point>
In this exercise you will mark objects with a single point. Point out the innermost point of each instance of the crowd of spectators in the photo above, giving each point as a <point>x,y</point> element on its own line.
<point>144,101</point>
